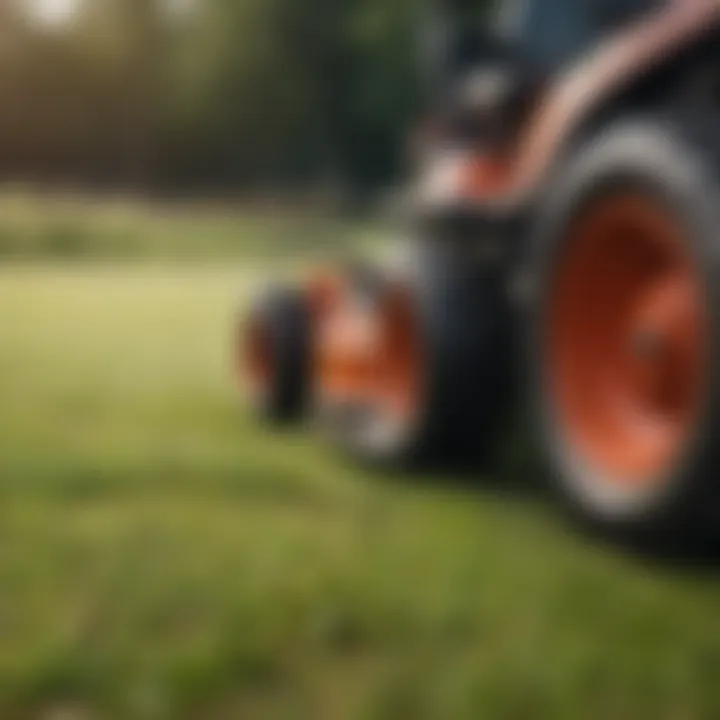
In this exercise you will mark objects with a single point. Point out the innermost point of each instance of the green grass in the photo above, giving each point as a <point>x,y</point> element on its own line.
<point>161,556</point>
<point>35,225</point>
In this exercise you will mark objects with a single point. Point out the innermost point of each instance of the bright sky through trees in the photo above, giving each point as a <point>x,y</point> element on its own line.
<point>58,12</point>
<point>53,11</point>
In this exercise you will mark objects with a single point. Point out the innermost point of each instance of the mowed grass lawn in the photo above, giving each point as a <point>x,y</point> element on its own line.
<point>161,556</point>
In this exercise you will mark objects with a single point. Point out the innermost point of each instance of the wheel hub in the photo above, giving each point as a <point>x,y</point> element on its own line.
<point>625,348</point>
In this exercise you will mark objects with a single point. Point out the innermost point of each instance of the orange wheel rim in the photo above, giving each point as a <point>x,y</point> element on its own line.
<point>369,357</point>
<point>626,347</point>
<point>398,381</point>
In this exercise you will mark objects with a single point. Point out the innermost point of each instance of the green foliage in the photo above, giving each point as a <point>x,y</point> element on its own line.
<point>34,226</point>
<point>287,90</point>
<point>244,93</point>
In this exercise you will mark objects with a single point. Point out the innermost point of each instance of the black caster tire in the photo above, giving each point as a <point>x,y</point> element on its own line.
<point>273,352</point>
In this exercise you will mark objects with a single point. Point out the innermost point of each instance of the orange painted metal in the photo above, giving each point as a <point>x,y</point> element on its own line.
<point>325,288</point>
<point>368,353</point>
<point>487,176</point>
<point>626,350</point>
<point>586,87</point>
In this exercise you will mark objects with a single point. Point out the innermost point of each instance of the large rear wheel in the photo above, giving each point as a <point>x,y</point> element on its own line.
<point>625,330</point>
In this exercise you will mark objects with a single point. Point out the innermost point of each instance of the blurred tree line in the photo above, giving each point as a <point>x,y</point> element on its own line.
<point>209,95</point>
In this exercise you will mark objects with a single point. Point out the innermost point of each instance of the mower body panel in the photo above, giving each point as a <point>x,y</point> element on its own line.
<point>499,178</point>
<point>410,364</point>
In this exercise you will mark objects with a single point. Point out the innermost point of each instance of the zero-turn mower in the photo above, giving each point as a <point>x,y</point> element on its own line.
<point>566,245</point>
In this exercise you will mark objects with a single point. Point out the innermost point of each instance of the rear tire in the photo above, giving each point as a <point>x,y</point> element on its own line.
<point>623,334</point>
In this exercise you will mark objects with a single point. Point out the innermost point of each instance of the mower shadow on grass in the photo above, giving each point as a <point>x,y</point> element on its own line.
<point>520,477</point>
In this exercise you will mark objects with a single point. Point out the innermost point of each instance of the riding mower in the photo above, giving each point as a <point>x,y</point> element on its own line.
<point>566,250</point>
